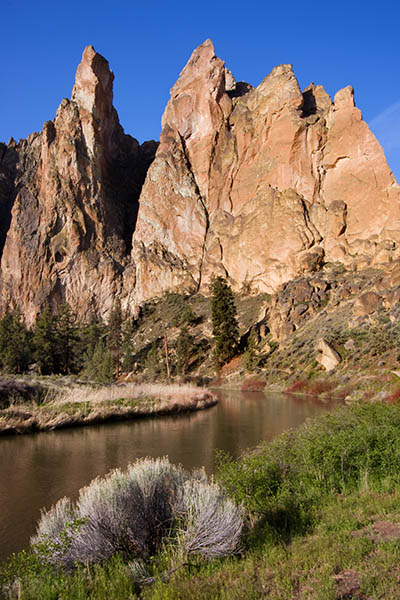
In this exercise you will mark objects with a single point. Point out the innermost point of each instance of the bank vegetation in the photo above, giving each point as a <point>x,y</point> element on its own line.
<point>77,405</point>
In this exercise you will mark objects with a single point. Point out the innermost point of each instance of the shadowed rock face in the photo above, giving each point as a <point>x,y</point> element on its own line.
<point>259,185</point>
<point>75,202</point>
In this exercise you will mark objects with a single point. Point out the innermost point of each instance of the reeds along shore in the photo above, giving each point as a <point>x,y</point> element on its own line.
<point>83,405</point>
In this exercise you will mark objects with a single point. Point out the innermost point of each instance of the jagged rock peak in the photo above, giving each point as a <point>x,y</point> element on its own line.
<point>93,89</point>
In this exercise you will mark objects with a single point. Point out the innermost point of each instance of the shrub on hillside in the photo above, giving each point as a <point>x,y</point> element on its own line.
<point>393,397</point>
<point>298,387</point>
<point>253,385</point>
<point>322,386</point>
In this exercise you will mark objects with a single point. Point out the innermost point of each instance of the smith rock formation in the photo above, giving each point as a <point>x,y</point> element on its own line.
<point>70,198</point>
<point>258,184</point>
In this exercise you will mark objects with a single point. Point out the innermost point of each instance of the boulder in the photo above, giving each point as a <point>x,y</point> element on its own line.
<point>327,355</point>
<point>366,304</point>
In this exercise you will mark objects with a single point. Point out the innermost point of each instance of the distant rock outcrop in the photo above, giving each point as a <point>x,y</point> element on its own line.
<point>260,185</point>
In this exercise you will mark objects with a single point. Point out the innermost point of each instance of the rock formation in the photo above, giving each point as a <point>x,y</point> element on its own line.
<point>74,199</point>
<point>258,184</point>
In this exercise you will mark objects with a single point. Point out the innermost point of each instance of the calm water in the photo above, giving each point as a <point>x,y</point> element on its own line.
<point>36,470</point>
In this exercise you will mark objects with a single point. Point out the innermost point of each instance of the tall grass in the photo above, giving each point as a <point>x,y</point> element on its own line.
<point>84,394</point>
<point>80,405</point>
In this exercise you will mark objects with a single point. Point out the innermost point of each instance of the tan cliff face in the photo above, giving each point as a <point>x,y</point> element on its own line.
<point>286,180</point>
<point>75,204</point>
<point>258,184</point>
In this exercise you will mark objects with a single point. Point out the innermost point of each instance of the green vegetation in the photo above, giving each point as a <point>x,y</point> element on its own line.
<point>184,350</point>
<point>224,321</point>
<point>323,522</point>
<point>15,343</point>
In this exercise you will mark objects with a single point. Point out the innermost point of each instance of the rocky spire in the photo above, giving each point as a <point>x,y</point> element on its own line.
<point>93,89</point>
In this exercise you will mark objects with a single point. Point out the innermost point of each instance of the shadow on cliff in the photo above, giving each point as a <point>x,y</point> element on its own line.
<point>8,192</point>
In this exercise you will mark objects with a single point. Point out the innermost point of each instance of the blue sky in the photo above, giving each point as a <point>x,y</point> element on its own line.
<point>148,43</point>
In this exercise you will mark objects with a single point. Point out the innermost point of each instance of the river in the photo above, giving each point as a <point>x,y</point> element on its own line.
<point>36,470</point>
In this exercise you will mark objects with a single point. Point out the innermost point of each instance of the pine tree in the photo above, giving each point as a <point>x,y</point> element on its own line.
<point>67,341</point>
<point>45,342</point>
<point>15,343</point>
<point>127,346</point>
<point>152,361</point>
<point>101,366</point>
<point>251,357</point>
<point>224,321</point>
<point>90,334</point>
<point>114,338</point>
<point>184,350</point>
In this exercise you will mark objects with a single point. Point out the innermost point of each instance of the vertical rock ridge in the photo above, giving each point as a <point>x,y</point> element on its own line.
<point>76,199</point>
<point>289,178</point>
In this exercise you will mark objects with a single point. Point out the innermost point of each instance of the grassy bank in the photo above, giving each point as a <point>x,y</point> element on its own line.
<point>322,508</point>
<point>85,405</point>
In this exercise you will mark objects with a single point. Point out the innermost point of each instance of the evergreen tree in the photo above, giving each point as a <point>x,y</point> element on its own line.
<point>224,321</point>
<point>114,338</point>
<point>251,358</point>
<point>127,346</point>
<point>184,350</point>
<point>15,343</point>
<point>45,343</point>
<point>67,341</point>
<point>101,366</point>
<point>90,334</point>
<point>152,361</point>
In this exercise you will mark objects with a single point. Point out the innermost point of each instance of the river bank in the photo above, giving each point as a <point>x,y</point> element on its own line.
<point>82,405</point>
<point>321,507</point>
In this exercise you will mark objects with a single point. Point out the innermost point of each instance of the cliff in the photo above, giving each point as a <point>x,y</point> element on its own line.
<point>258,184</point>
<point>69,199</point>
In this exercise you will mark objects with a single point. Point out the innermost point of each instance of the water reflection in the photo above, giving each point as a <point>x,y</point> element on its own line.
<point>37,470</point>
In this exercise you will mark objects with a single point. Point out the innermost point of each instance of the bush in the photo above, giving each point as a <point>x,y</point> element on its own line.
<point>133,512</point>
<point>355,447</point>
<point>321,386</point>
<point>393,397</point>
<point>253,385</point>
<point>298,387</point>
<point>212,523</point>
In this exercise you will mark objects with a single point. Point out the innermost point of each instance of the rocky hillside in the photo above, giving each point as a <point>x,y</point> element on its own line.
<point>263,185</point>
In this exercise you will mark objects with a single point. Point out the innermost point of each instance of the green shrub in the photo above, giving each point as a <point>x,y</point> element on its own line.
<point>355,447</point>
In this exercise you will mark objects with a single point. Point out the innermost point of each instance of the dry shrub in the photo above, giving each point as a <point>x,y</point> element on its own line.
<point>394,397</point>
<point>131,391</point>
<point>321,387</point>
<point>298,387</point>
<point>232,366</point>
<point>212,522</point>
<point>133,511</point>
<point>344,392</point>
<point>253,385</point>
